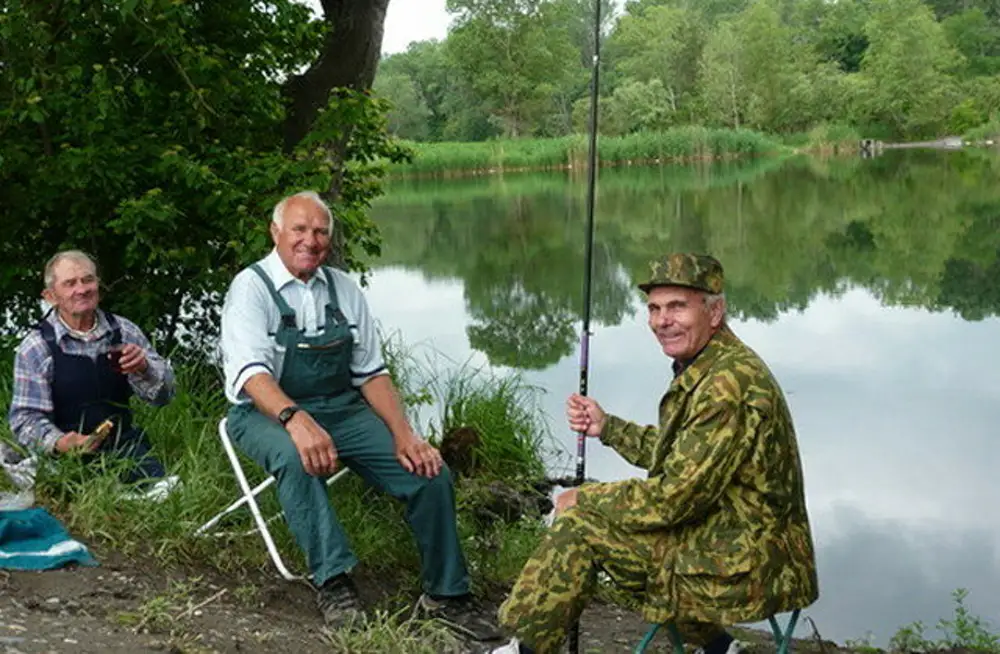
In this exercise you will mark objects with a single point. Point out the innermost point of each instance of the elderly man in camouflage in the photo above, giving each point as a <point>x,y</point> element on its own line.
<point>718,533</point>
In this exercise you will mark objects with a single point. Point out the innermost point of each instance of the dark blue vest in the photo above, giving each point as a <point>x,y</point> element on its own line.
<point>86,392</point>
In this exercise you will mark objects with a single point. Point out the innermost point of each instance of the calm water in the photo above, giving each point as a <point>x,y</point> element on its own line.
<point>871,287</point>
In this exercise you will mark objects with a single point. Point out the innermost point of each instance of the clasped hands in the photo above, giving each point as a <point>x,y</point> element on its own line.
<point>319,455</point>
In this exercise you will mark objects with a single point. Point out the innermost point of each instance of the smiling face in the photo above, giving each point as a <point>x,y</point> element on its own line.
<point>303,238</point>
<point>682,320</point>
<point>74,291</point>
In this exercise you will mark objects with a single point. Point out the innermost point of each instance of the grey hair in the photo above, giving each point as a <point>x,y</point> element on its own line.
<point>711,299</point>
<point>78,256</point>
<point>278,216</point>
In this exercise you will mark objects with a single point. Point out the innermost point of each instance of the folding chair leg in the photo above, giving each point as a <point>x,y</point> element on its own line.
<point>250,498</point>
<point>647,639</point>
<point>232,507</point>
<point>254,508</point>
<point>784,639</point>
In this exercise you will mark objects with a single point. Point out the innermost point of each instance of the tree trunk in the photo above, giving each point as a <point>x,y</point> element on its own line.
<point>349,60</point>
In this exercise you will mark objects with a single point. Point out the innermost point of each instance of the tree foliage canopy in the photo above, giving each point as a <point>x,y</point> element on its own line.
<point>889,68</point>
<point>154,135</point>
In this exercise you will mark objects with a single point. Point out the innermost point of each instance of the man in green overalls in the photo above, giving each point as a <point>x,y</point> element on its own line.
<point>309,390</point>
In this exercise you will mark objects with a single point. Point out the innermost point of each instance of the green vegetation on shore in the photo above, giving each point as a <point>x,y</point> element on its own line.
<point>988,132</point>
<point>570,152</point>
<point>674,145</point>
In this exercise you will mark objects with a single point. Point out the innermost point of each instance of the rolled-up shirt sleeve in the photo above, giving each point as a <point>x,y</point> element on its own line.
<point>156,385</point>
<point>247,347</point>
<point>366,360</point>
<point>30,414</point>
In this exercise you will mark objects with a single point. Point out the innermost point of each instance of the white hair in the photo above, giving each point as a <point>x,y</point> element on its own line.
<point>78,256</point>
<point>278,216</point>
<point>711,299</point>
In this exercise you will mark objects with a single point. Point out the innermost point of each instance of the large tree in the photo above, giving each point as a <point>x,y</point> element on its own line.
<point>157,135</point>
<point>908,65</point>
<point>516,56</point>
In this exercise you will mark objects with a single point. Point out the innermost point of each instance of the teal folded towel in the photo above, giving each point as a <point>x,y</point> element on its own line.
<point>31,539</point>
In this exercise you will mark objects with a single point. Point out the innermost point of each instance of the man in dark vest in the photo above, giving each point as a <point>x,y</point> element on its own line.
<point>310,391</point>
<point>78,369</point>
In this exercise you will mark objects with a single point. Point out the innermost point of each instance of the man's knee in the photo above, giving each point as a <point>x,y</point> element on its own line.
<point>441,482</point>
<point>282,459</point>
<point>286,462</point>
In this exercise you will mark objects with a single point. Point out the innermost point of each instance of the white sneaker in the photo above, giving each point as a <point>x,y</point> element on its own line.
<point>157,492</point>
<point>513,647</point>
<point>735,647</point>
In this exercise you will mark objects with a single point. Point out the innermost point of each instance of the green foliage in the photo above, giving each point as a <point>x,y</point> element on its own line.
<point>989,131</point>
<point>394,633</point>
<point>149,133</point>
<point>908,64</point>
<point>409,115</point>
<point>507,52</point>
<point>964,630</point>
<point>671,145</point>
<point>503,410</point>
<point>890,69</point>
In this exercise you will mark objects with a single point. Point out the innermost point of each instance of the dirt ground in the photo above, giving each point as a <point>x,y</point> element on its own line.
<point>130,607</point>
<point>123,606</point>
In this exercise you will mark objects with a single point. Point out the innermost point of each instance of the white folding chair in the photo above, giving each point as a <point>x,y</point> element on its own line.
<point>250,497</point>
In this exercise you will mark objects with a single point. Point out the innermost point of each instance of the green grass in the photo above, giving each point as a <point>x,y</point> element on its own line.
<point>988,132</point>
<point>184,436</point>
<point>570,152</point>
<point>964,630</point>
<point>832,138</point>
<point>394,633</point>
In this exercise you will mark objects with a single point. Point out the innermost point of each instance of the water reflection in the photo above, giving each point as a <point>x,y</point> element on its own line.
<point>871,288</point>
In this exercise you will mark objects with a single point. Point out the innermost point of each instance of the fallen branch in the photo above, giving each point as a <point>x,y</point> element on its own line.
<point>188,612</point>
<point>816,636</point>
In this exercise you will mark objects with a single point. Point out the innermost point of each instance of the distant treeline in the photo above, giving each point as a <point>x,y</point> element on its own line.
<point>890,69</point>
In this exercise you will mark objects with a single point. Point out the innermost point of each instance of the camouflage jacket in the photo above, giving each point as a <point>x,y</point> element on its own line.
<point>724,496</point>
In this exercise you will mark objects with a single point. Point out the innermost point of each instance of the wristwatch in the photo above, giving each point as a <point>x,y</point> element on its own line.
<point>286,414</point>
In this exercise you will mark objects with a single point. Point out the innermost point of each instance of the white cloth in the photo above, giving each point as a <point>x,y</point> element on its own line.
<point>250,318</point>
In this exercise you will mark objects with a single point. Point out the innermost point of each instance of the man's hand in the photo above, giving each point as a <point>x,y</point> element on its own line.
<point>315,446</point>
<point>72,440</point>
<point>417,456</point>
<point>133,360</point>
<point>566,500</point>
<point>585,415</point>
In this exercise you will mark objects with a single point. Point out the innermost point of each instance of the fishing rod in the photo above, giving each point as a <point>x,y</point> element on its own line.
<point>581,437</point>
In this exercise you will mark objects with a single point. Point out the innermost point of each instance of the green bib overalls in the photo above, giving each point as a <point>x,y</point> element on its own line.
<point>316,375</point>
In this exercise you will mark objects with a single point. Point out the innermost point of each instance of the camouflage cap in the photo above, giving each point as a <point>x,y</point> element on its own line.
<point>698,271</point>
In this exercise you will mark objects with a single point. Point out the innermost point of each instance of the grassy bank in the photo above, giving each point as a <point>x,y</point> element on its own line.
<point>501,409</point>
<point>570,152</point>
<point>677,145</point>
<point>988,132</point>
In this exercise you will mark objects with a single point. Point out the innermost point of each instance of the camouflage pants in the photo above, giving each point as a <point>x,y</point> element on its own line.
<point>561,577</point>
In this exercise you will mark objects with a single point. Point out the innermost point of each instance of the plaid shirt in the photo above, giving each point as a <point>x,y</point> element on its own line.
<point>31,407</point>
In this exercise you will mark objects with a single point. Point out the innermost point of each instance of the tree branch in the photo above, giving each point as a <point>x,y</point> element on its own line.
<point>349,59</point>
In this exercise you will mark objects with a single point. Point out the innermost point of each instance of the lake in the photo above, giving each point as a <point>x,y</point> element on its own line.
<point>870,286</point>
